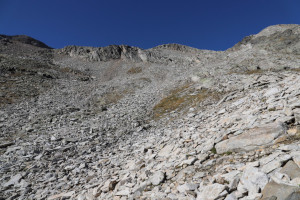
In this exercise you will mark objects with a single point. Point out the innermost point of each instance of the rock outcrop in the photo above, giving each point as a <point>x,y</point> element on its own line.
<point>112,52</point>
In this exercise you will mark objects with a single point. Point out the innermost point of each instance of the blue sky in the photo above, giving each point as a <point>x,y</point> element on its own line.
<point>210,24</point>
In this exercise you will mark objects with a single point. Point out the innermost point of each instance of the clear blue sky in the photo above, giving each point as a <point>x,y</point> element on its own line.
<point>204,24</point>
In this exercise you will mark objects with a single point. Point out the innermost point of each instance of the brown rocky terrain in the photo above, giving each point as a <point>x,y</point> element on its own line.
<point>170,122</point>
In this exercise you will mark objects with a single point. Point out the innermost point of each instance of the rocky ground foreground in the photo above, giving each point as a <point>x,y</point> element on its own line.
<point>171,122</point>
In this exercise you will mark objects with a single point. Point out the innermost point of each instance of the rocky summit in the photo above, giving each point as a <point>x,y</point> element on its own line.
<point>170,122</point>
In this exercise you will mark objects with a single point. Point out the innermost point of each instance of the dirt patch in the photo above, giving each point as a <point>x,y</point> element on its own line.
<point>109,98</point>
<point>134,70</point>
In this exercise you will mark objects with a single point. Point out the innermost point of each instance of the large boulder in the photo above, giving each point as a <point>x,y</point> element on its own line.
<point>280,192</point>
<point>252,139</point>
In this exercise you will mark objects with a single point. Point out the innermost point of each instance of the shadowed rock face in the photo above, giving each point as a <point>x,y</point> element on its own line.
<point>170,122</point>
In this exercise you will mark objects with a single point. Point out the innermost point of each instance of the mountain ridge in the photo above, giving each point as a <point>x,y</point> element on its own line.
<point>265,32</point>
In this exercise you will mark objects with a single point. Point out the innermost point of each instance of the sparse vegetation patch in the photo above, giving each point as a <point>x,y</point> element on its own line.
<point>181,98</point>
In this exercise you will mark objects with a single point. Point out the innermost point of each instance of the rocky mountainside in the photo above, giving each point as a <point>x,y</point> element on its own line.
<point>170,122</point>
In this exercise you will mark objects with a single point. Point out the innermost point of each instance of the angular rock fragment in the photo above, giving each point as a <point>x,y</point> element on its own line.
<point>13,181</point>
<point>276,163</point>
<point>165,152</point>
<point>62,195</point>
<point>124,192</point>
<point>230,197</point>
<point>253,180</point>
<point>187,187</point>
<point>291,169</point>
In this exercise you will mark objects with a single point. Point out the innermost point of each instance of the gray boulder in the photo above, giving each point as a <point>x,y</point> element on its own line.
<point>280,191</point>
<point>252,139</point>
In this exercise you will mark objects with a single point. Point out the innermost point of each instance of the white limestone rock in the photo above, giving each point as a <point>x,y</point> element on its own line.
<point>158,178</point>
<point>211,192</point>
<point>253,180</point>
